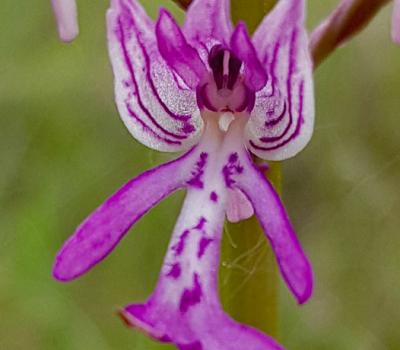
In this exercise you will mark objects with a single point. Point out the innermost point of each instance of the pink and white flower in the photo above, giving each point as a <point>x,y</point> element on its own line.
<point>211,91</point>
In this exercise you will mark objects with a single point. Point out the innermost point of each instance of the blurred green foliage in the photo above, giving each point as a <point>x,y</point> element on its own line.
<point>63,150</point>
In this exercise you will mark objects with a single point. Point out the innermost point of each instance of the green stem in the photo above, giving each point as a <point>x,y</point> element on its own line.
<point>249,282</point>
<point>248,274</point>
<point>251,11</point>
<point>348,19</point>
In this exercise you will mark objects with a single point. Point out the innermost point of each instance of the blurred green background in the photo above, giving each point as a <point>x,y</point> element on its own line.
<point>63,150</point>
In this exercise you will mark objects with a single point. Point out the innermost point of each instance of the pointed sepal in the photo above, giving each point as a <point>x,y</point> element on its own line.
<point>282,120</point>
<point>155,104</point>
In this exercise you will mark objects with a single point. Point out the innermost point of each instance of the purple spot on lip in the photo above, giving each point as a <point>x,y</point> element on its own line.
<point>192,296</point>
<point>233,158</point>
<point>181,244</point>
<point>204,243</point>
<point>165,339</point>
<point>192,346</point>
<point>127,83</point>
<point>201,223</point>
<point>232,166</point>
<point>214,196</point>
<point>175,271</point>
<point>227,176</point>
<point>196,180</point>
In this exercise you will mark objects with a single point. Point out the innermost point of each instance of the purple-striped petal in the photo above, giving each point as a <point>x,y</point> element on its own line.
<point>179,55</point>
<point>156,105</point>
<point>67,19</point>
<point>241,45</point>
<point>184,308</point>
<point>97,236</point>
<point>283,116</point>
<point>396,22</point>
<point>271,213</point>
<point>208,22</point>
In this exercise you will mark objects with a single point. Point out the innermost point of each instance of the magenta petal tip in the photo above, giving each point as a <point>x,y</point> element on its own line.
<point>308,291</point>
<point>58,275</point>
<point>244,49</point>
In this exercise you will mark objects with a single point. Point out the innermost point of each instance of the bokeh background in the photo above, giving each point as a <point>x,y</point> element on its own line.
<point>63,150</point>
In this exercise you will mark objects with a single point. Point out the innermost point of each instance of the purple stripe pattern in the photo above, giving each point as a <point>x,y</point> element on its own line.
<point>157,110</point>
<point>283,116</point>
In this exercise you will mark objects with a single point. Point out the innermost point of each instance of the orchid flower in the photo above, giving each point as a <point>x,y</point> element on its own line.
<point>210,90</point>
<point>67,19</point>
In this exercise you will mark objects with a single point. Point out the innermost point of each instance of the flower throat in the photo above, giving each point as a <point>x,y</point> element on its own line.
<point>225,67</point>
